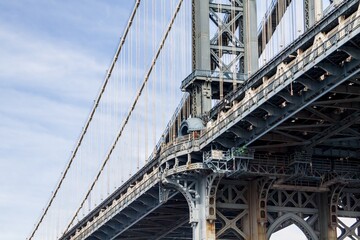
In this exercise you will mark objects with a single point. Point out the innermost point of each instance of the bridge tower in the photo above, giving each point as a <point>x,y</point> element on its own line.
<point>224,47</point>
<point>224,55</point>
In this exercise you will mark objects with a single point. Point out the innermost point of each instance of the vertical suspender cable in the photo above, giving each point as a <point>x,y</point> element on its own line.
<point>107,128</point>
<point>87,123</point>
<point>146,123</point>
<point>101,144</point>
<point>282,6</point>
<point>293,13</point>
<point>123,87</point>
<point>220,33</point>
<point>266,32</point>
<point>130,111</point>
<point>233,44</point>
<point>162,69</point>
<point>278,25</point>
<point>172,69</point>
<point>168,79</point>
<point>263,40</point>
<point>137,116</point>
<point>153,99</point>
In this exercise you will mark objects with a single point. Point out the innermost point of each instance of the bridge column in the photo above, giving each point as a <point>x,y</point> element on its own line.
<point>199,191</point>
<point>327,232</point>
<point>252,225</point>
<point>200,92</point>
<point>251,40</point>
<point>203,227</point>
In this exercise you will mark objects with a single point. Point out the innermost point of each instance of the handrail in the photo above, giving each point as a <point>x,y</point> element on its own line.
<point>208,74</point>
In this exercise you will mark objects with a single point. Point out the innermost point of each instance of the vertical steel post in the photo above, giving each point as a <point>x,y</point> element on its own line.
<point>326,231</point>
<point>201,93</point>
<point>252,227</point>
<point>250,40</point>
<point>203,229</point>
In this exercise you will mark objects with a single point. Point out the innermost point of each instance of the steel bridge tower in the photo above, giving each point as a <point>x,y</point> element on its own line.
<point>225,44</point>
<point>224,53</point>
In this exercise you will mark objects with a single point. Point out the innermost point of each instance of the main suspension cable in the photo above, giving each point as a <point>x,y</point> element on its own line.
<point>129,113</point>
<point>96,104</point>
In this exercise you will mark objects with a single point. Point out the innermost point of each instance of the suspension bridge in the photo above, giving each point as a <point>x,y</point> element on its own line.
<point>264,134</point>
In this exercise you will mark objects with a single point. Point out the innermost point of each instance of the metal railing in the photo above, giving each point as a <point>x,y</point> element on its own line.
<point>117,205</point>
<point>210,75</point>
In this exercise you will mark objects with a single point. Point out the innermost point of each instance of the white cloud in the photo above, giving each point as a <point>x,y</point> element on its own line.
<point>47,67</point>
<point>35,143</point>
<point>47,84</point>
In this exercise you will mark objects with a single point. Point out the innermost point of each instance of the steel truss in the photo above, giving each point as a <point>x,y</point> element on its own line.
<point>228,40</point>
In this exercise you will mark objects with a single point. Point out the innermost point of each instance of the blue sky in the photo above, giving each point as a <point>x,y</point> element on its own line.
<point>53,59</point>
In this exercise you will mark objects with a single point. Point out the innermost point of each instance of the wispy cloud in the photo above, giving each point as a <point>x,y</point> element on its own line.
<point>29,63</point>
<point>53,58</point>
